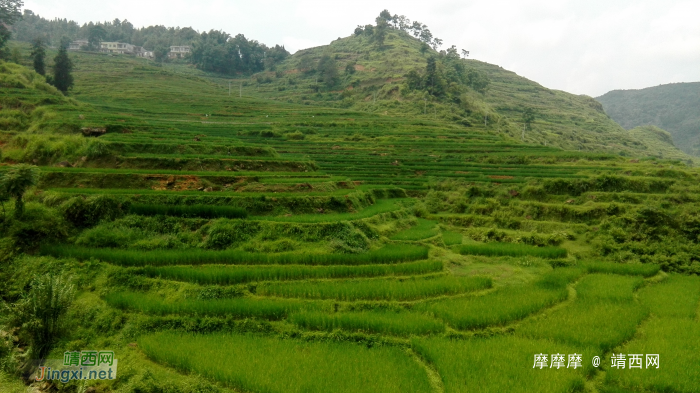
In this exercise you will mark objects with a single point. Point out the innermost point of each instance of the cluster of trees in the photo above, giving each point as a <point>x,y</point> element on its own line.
<point>398,22</point>
<point>9,14</point>
<point>446,75</point>
<point>217,51</point>
<point>32,26</point>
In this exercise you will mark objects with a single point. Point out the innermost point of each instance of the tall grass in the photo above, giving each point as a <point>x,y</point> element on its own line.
<point>451,238</point>
<point>631,269</point>
<point>267,364</point>
<point>507,304</point>
<point>227,275</point>
<point>385,322</point>
<point>676,297</point>
<point>381,206</point>
<point>501,364</point>
<point>388,254</point>
<point>203,211</point>
<point>378,289</point>
<point>512,250</point>
<point>604,315</point>
<point>677,342</point>
<point>674,334</point>
<point>238,307</point>
<point>423,230</point>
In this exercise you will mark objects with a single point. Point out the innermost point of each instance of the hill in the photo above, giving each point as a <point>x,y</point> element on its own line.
<point>672,107</point>
<point>373,78</point>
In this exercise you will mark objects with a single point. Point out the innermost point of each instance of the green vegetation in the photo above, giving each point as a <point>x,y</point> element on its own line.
<point>202,211</point>
<point>390,194</point>
<point>378,289</point>
<point>512,250</point>
<point>237,307</point>
<point>229,275</point>
<point>673,334</point>
<point>249,362</point>
<point>500,364</point>
<point>385,322</point>
<point>387,254</point>
<point>423,230</point>
<point>505,305</point>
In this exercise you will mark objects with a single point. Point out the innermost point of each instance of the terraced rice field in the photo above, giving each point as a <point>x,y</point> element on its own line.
<point>272,247</point>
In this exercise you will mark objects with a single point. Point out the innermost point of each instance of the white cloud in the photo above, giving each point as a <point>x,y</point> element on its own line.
<point>586,47</point>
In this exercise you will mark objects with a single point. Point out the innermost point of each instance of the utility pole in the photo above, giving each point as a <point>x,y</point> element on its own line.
<point>486,119</point>
<point>523,136</point>
<point>435,110</point>
<point>425,107</point>
<point>240,90</point>
<point>229,88</point>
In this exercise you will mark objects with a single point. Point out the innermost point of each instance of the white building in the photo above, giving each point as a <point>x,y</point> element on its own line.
<point>117,47</point>
<point>177,52</point>
<point>145,53</point>
<point>78,44</point>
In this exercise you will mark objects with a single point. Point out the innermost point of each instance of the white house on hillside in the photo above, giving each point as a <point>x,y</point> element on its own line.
<point>117,47</point>
<point>177,52</point>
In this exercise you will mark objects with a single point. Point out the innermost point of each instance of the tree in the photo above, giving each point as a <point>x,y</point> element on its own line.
<point>478,81</point>
<point>9,14</point>
<point>380,31</point>
<point>328,68</point>
<point>38,55</point>
<point>528,118</point>
<point>62,68</point>
<point>96,35</point>
<point>16,181</point>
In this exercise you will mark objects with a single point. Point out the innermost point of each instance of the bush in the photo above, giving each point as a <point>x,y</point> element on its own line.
<point>85,213</point>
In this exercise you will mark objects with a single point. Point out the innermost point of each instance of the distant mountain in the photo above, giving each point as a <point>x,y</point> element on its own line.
<point>674,107</point>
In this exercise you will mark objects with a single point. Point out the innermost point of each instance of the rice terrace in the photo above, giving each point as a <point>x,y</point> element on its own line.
<point>371,215</point>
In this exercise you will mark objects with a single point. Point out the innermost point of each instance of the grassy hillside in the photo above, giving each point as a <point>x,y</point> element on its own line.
<point>219,243</point>
<point>378,85</point>
<point>672,107</point>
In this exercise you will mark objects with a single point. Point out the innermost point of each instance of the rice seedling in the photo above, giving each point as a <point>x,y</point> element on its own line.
<point>388,254</point>
<point>451,238</point>
<point>676,297</point>
<point>505,305</point>
<point>268,364</point>
<point>423,230</point>
<point>609,288</point>
<point>378,289</point>
<point>242,307</point>
<point>677,342</point>
<point>631,269</point>
<point>228,275</point>
<point>381,206</point>
<point>203,211</point>
<point>513,250</point>
<point>603,315</point>
<point>502,364</point>
<point>385,322</point>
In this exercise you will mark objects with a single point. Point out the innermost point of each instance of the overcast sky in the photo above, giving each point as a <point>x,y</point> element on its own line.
<point>583,47</point>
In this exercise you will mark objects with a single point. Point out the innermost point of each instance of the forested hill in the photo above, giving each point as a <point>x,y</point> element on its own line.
<point>674,107</point>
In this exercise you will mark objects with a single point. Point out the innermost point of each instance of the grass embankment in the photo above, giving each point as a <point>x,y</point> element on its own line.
<point>202,211</point>
<point>378,289</point>
<point>512,250</point>
<point>387,254</point>
<point>383,322</point>
<point>228,275</point>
